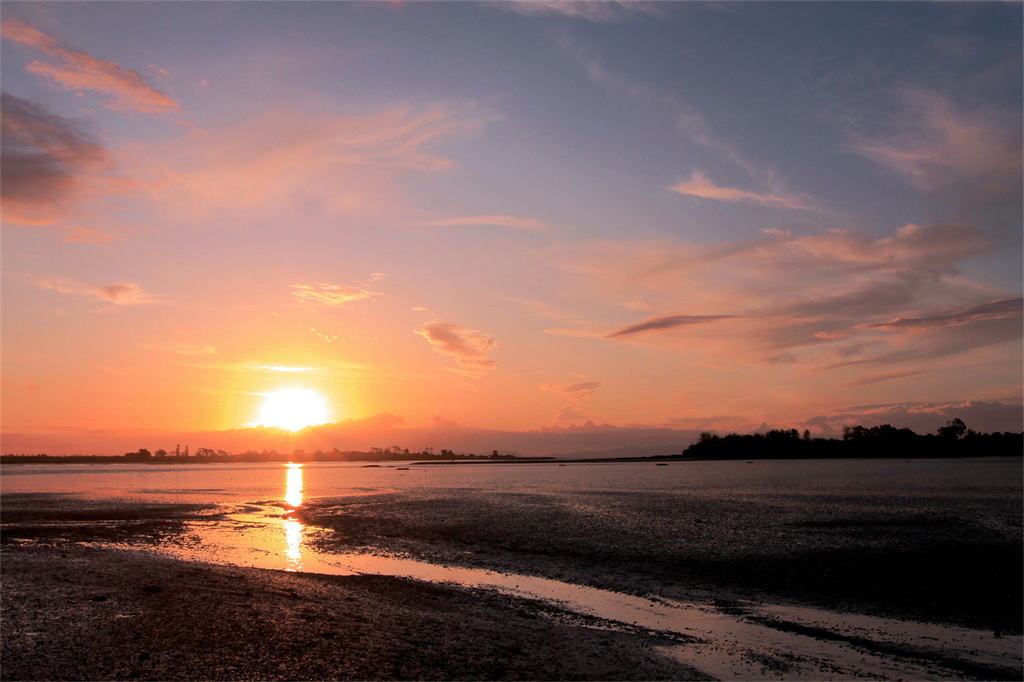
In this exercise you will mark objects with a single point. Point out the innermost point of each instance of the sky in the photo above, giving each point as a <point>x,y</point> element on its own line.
<point>533,226</point>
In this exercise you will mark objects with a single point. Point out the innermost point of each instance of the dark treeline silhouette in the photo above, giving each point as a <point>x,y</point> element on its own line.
<point>952,440</point>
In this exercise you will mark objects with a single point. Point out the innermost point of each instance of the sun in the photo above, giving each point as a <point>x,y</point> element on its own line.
<point>293,409</point>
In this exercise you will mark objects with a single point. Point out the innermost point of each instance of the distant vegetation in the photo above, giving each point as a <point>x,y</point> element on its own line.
<point>207,455</point>
<point>952,440</point>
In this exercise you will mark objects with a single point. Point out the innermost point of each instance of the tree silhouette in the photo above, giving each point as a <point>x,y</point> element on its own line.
<point>954,429</point>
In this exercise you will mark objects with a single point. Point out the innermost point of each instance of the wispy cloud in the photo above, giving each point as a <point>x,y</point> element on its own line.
<point>841,301</point>
<point>699,186</point>
<point>122,294</point>
<point>128,91</point>
<point>470,348</point>
<point>576,394</point>
<point>1005,308</point>
<point>934,143</point>
<point>885,377</point>
<point>663,322</point>
<point>604,11</point>
<point>686,118</point>
<point>331,294</point>
<point>47,161</point>
<point>288,165</point>
<point>495,220</point>
<point>968,159</point>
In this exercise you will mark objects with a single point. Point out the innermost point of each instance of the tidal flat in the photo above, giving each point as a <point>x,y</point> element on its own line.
<point>912,572</point>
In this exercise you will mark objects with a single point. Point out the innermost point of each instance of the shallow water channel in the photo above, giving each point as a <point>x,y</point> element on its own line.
<point>746,640</point>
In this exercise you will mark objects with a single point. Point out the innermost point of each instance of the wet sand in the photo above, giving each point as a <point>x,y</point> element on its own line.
<point>74,607</point>
<point>959,562</point>
<point>73,610</point>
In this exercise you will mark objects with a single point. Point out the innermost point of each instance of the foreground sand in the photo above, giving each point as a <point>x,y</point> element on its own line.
<point>78,612</point>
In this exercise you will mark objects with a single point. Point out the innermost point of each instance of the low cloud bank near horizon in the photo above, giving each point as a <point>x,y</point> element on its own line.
<point>386,430</point>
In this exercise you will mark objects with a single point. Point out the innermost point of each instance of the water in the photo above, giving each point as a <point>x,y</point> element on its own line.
<point>232,483</point>
<point>257,529</point>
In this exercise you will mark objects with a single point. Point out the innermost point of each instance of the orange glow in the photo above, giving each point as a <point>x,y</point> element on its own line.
<point>293,540</point>
<point>293,409</point>
<point>292,527</point>
<point>293,485</point>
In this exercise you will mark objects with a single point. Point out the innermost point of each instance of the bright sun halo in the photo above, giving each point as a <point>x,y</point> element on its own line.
<point>293,409</point>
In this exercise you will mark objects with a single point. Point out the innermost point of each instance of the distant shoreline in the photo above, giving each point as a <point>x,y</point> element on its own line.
<point>11,460</point>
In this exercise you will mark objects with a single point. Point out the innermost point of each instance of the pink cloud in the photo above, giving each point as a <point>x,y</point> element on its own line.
<point>469,347</point>
<point>495,220</point>
<point>699,186</point>
<point>287,165</point>
<point>936,145</point>
<point>607,11</point>
<point>78,71</point>
<point>576,394</point>
<point>838,303</point>
<point>121,293</point>
<point>331,294</point>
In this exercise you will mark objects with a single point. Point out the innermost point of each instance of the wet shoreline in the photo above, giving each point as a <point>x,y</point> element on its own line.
<point>72,543</point>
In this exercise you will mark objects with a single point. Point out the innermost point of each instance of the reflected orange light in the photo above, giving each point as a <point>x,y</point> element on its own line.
<point>293,544</point>
<point>293,485</point>
<point>293,528</point>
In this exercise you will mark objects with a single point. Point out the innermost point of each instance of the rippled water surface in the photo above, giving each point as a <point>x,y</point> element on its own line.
<point>228,483</point>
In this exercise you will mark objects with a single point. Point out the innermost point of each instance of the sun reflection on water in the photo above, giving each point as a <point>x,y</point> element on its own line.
<point>292,527</point>
<point>293,485</point>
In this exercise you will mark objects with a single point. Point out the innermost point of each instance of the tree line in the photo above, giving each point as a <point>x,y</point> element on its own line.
<point>209,455</point>
<point>886,441</point>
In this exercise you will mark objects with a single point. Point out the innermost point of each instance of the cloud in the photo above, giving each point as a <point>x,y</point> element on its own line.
<point>128,91</point>
<point>284,166</point>
<point>469,347</point>
<point>699,186</point>
<point>576,395</point>
<point>966,158</point>
<point>885,377</point>
<point>835,304</point>
<point>331,294</point>
<point>934,142</point>
<point>665,322</point>
<point>605,11</point>
<point>1001,309</point>
<point>47,161</point>
<point>583,389</point>
<point>82,234</point>
<point>495,220</point>
<point>122,294</point>
<point>683,116</point>
<point>686,119</point>
<point>983,416</point>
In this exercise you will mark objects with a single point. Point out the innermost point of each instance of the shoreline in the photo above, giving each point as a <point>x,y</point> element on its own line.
<point>78,605</point>
<point>85,613</point>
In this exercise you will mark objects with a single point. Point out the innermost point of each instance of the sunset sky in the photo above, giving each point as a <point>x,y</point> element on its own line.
<point>529,217</point>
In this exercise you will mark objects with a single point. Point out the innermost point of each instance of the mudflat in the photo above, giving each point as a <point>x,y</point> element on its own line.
<point>77,610</point>
<point>81,601</point>
<point>949,559</point>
